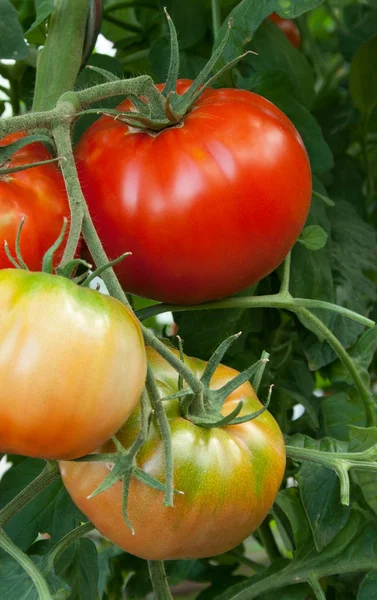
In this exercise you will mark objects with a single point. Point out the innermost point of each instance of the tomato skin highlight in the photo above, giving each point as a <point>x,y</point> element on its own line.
<point>289,28</point>
<point>230,477</point>
<point>39,194</point>
<point>72,366</point>
<point>206,208</point>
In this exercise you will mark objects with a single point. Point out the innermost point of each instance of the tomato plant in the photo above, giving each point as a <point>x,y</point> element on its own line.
<point>237,469</point>
<point>50,327</point>
<point>39,195</point>
<point>207,207</point>
<point>257,143</point>
<point>288,27</point>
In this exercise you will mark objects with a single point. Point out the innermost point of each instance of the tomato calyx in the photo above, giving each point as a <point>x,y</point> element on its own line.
<point>204,410</point>
<point>122,463</point>
<point>159,110</point>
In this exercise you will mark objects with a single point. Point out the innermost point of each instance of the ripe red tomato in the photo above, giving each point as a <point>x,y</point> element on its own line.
<point>230,477</point>
<point>72,366</point>
<point>207,207</point>
<point>289,28</point>
<point>39,193</point>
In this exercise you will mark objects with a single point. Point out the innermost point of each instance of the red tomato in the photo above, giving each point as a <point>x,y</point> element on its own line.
<point>230,477</point>
<point>72,365</point>
<point>39,194</point>
<point>288,27</point>
<point>207,207</point>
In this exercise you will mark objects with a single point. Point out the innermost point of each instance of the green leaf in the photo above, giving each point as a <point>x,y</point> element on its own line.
<point>363,80</point>
<point>43,10</point>
<point>12,43</point>
<point>189,18</point>
<point>362,353</point>
<point>78,566</point>
<point>249,14</point>
<point>368,587</point>
<point>313,237</point>
<point>275,54</point>
<point>339,410</point>
<point>320,492</point>
<point>15,583</point>
<point>52,511</point>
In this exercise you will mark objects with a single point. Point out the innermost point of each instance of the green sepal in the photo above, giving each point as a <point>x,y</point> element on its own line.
<point>5,171</point>
<point>49,255</point>
<point>106,74</point>
<point>7,151</point>
<point>68,269</point>
<point>100,270</point>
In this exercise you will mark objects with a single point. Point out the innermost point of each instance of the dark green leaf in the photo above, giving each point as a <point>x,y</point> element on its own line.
<point>12,43</point>
<point>275,54</point>
<point>368,587</point>
<point>15,583</point>
<point>249,14</point>
<point>78,566</point>
<point>339,410</point>
<point>52,511</point>
<point>43,10</point>
<point>363,81</point>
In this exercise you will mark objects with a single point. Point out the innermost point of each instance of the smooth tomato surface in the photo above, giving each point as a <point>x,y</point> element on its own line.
<point>206,208</point>
<point>289,28</point>
<point>39,194</point>
<point>72,366</point>
<point>230,477</point>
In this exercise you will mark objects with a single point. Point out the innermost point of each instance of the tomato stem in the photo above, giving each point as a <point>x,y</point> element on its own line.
<point>159,580</point>
<point>216,17</point>
<point>62,545</point>
<point>66,30</point>
<point>165,434</point>
<point>27,564</point>
<point>284,288</point>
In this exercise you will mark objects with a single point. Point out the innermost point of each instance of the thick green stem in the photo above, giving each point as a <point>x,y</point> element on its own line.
<point>284,288</point>
<point>159,580</point>
<point>49,474</point>
<point>64,46</point>
<point>27,564</point>
<point>270,301</point>
<point>268,541</point>
<point>216,17</point>
<point>62,137</point>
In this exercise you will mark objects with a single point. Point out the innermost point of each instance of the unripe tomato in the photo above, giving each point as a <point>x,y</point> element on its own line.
<point>229,477</point>
<point>39,194</point>
<point>207,207</point>
<point>289,28</point>
<point>72,366</point>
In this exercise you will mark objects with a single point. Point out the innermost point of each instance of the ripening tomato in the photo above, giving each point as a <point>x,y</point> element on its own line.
<point>289,28</point>
<point>39,194</point>
<point>207,207</point>
<point>72,365</point>
<point>229,477</point>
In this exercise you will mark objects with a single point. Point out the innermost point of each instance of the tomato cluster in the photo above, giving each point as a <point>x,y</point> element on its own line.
<point>207,207</point>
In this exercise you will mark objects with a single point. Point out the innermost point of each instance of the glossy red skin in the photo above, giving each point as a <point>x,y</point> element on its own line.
<point>288,27</point>
<point>206,208</point>
<point>229,477</point>
<point>39,194</point>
